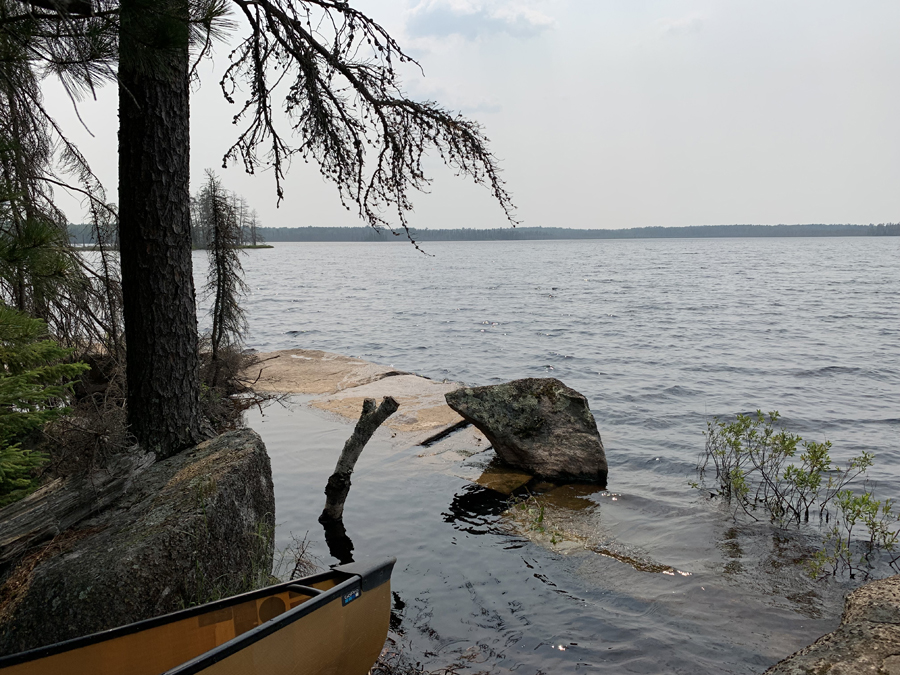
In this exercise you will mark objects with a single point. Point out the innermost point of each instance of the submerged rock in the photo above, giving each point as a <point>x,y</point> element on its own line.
<point>502,479</point>
<point>188,529</point>
<point>538,425</point>
<point>867,641</point>
<point>340,384</point>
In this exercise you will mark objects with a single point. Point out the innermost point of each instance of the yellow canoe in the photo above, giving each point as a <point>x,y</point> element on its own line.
<point>333,623</point>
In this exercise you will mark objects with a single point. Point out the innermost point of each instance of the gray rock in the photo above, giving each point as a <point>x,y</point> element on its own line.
<point>866,642</point>
<point>189,529</point>
<point>538,425</point>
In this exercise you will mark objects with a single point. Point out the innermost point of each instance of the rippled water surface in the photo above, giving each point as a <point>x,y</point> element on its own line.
<point>660,335</point>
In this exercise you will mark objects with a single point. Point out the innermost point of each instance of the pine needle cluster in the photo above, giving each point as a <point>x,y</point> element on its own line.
<point>35,383</point>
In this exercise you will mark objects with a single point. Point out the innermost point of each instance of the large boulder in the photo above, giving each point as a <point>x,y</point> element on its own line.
<point>187,530</point>
<point>538,425</point>
<point>866,643</point>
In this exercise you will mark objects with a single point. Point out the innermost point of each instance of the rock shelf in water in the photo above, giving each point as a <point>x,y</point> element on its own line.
<point>340,384</point>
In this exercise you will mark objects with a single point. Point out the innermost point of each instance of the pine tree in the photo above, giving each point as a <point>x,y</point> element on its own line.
<point>346,112</point>
<point>39,272</point>
<point>35,382</point>
<point>224,282</point>
<point>256,237</point>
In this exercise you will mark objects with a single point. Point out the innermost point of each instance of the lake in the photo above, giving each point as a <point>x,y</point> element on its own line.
<point>661,336</point>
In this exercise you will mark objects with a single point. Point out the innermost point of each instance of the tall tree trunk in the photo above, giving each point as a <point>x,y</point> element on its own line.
<point>162,362</point>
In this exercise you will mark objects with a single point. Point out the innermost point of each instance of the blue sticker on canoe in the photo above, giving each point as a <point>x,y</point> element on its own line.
<point>350,596</point>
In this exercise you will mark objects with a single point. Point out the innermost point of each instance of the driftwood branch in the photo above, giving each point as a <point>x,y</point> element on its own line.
<point>339,484</point>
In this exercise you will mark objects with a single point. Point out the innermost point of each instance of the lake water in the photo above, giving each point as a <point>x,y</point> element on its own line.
<point>660,335</point>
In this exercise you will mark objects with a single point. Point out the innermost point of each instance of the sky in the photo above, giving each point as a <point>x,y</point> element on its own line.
<point>611,114</point>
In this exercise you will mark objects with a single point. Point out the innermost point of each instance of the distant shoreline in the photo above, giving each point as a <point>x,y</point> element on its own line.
<point>82,235</point>
<point>363,234</point>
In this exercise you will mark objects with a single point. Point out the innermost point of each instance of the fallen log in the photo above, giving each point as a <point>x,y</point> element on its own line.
<point>63,503</point>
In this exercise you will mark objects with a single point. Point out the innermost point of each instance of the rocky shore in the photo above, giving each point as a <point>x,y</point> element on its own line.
<point>158,536</point>
<point>866,643</point>
<point>165,535</point>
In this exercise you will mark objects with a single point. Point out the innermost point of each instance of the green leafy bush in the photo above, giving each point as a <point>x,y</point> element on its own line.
<point>34,384</point>
<point>757,467</point>
<point>861,526</point>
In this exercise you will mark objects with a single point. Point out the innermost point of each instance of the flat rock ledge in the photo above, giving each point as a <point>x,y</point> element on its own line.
<point>866,643</point>
<point>311,371</point>
<point>339,384</point>
<point>186,530</point>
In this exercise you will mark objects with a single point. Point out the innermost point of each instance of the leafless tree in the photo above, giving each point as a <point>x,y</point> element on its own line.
<point>224,281</point>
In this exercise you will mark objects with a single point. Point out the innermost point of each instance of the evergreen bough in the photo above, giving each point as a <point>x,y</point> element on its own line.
<point>34,385</point>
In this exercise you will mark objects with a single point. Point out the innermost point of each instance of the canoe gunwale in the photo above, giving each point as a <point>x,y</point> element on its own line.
<point>372,573</point>
<point>309,590</point>
<point>363,576</point>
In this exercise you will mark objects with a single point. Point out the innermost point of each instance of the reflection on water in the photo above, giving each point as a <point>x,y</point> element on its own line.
<point>474,509</point>
<point>340,546</point>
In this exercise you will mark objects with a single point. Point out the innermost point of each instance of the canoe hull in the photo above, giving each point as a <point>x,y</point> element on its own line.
<point>329,641</point>
<point>333,623</point>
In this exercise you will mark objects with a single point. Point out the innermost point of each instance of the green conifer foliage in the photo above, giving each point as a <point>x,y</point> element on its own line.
<point>224,282</point>
<point>34,385</point>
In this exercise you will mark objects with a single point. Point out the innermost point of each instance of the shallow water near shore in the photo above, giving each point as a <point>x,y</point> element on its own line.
<point>660,336</point>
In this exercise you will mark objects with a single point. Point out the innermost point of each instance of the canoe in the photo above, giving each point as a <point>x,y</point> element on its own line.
<point>332,623</point>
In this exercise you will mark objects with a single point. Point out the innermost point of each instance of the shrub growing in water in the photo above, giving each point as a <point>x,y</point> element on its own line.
<point>34,384</point>
<point>756,468</point>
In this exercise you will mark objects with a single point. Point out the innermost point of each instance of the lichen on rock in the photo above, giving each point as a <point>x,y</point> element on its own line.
<point>866,643</point>
<point>538,425</point>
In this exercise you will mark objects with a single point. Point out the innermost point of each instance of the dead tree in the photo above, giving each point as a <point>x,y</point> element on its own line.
<point>339,484</point>
<point>224,282</point>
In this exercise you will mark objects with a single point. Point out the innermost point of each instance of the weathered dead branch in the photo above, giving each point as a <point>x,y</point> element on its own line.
<point>339,484</point>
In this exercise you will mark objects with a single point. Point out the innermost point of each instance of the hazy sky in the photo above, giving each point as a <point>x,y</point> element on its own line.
<point>617,114</point>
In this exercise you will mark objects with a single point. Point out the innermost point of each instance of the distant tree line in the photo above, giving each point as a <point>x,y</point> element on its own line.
<point>243,221</point>
<point>311,233</point>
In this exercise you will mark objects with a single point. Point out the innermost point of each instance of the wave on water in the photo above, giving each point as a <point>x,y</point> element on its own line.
<point>828,371</point>
<point>659,346</point>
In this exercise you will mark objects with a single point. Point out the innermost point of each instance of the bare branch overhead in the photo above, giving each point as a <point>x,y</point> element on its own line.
<point>343,100</point>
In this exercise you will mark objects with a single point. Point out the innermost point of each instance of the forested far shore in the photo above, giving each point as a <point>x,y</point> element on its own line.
<point>312,233</point>
<point>82,234</point>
